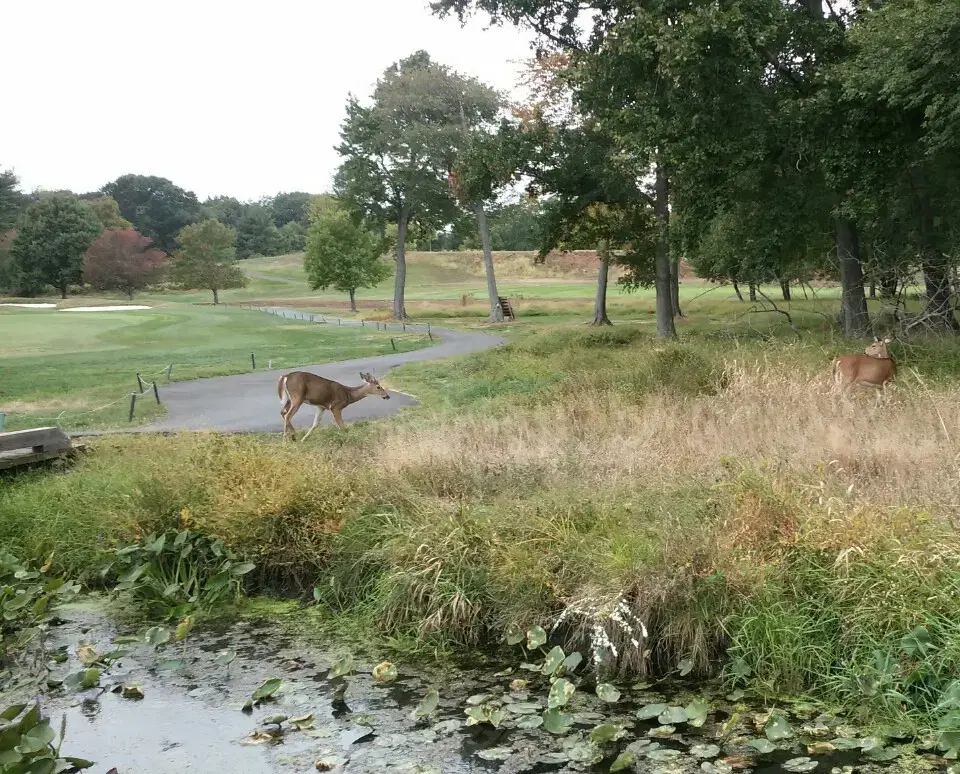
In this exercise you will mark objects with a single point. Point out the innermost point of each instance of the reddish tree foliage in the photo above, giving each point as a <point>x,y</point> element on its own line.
<point>123,260</point>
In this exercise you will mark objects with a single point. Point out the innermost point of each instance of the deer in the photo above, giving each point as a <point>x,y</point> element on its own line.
<point>299,387</point>
<point>874,368</point>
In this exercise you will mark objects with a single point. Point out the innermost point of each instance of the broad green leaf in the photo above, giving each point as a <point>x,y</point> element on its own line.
<point>536,637</point>
<point>428,704</point>
<point>478,698</point>
<point>916,642</point>
<point>553,661</point>
<point>495,753</point>
<point>650,711</point>
<point>762,746</point>
<point>384,673</point>
<point>183,628</point>
<point>12,711</point>
<point>157,635</point>
<point>497,717</point>
<point>685,667</point>
<point>696,712</point>
<point>703,751</point>
<point>571,662</point>
<point>267,689</point>
<point>777,728</point>
<point>242,568</point>
<point>342,666</point>
<point>530,722</point>
<point>171,664</point>
<point>523,708</point>
<point>624,761</point>
<point>672,715</point>
<point>560,693</point>
<point>606,732</point>
<point>79,763</point>
<point>514,635</point>
<point>225,657</point>
<point>36,739</point>
<point>556,722</point>
<point>799,765</point>
<point>608,693</point>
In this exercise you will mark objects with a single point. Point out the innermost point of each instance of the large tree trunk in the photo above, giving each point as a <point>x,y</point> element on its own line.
<point>661,260</point>
<point>63,290</point>
<point>856,319</point>
<point>353,299</point>
<point>399,307</point>
<point>216,296</point>
<point>736,289</point>
<point>873,288</point>
<point>483,226</point>
<point>785,290</point>
<point>753,291</point>
<point>600,305</point>
<point>936,273</point>
<point>675,285</point>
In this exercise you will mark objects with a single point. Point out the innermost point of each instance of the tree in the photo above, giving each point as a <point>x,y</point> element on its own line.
<point>156,207</point>
<point>343,255</point>
<point>292,207</point>
<point>291,238</point>
<point>54,234</point>
<point>397,153</point>
<point>108,213</point>
<point>123,260</point>
<point>256,233</point>
<point>208,258</point>
<point>227,209</point>
<point>11,200</point>
<point>9,275</point>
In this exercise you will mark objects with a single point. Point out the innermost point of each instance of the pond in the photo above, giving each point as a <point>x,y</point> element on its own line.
<point>182,708</point>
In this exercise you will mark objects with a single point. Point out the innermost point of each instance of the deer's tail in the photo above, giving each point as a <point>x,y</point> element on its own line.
<point>836,371</point>
<point>282,390</point>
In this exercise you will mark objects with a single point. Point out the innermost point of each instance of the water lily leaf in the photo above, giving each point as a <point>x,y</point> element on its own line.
<point>662,732</point>
<point>171,664</point>
<point>384,673</point>
<point>132,692</point>
<point>560,693</point>
<point>705,751</point>
<point>183,628</point>
<point>882,753</point>
<point>571,662</point>
<point>553,661</point>
<point>820,748</point>
<point>799,764</point>
<point>476,715</point>
<point>497,717</point>
<point>12,711</point>
<point>225,657</point>
<point>536,637</point>
<point>342,666</point>
<point>606,732</point>
<point>273,720</point>
<point>582,751</point>
<point>523,708</point>
<point>82,680</point>
<point>530,721</point>
<point>514,635</point>
<point>736,695</point>
<point>624,761</point>
<point>427,704</point>
<point>663,754</point>
<point>685,667</point>
<point>127,640</point>
<point>556,721</point>
<point>157,635</point>
<point>302,722</point>
<point>495,753</point>
<point>672,715</point>
<point>517,685</point>
<point>650,711</point>
<point>696,712</point>
<point>554,758</point>
<point>762,746</point>
<point>36,739</point>
<point>528,667</point>
<point>842,743</point>
<point>478,698</point>
<point>777,728</point>
<point>267,689</point>
<point>608,692</point>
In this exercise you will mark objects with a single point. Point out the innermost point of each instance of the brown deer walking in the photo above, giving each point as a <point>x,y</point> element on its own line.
<point>874,368</point>
<point>299,387</point>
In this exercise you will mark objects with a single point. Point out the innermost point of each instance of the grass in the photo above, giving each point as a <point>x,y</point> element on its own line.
<point>752,519</point>
<point>53,362</point>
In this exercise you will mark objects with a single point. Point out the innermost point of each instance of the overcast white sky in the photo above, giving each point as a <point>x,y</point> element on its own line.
<point>219,96</point>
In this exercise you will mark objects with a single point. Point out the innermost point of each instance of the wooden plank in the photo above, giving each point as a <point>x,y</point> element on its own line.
<point>39,439</point>
<point>10,460</point>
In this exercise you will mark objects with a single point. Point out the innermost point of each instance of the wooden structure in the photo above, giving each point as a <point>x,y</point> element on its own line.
<point>24,447</point>
<point>507,309</point>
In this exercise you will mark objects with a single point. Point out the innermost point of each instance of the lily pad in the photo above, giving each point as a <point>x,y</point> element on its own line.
<point>342,666</point>
<point>556,721</point>
<point>705,751</point>
<point>662,732</point>
<point>608,693</point>
<point>157,635</point>
<point>267,689</point>
<point>663,754</point>
<point>762,746</point>
<point>606,732</point>
<point>624,761</point>
<point>427,704</point>
<point>685,667</point>
<point>696,712</point>
<point>777,728</point>
<point>571,662</point>
<point>530,722</point>
<point>672,715</point>
<point>384,673</point>
<point>560,693</point>
<point>799,765</point>
<point>523,708</point>
<point>478,698</point>
<point>650,711</point>
<point>536,637</point>
<point>553,661</point>
<point>514,635</point>
<point>495,753</point>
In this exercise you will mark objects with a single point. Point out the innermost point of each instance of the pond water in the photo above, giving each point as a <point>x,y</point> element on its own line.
<point>190,717</point>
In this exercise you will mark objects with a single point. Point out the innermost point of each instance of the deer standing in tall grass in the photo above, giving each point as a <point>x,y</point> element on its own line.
<point>299,387</point>
<point>874,368</point>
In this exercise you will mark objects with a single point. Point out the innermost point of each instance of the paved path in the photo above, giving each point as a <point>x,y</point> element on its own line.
<point>249,403</point>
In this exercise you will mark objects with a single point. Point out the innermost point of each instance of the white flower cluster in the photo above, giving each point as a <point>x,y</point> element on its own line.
<point>598,614</point>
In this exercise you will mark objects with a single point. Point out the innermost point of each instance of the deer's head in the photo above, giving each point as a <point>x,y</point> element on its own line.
<point>879,347</point>
<point>377,388</point>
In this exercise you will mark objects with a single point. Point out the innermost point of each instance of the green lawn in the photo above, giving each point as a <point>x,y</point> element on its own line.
<point>53,362</point>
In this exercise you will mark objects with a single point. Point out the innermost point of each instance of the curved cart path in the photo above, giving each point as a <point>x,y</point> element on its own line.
<point>247,403</point>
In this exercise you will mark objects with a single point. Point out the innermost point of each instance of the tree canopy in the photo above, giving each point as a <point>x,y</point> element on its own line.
<point>207,258</point>
<point>123,260</point>
<point>155,206</point>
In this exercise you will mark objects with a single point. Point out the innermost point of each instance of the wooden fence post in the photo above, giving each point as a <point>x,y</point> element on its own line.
<point>133,405</point>
<point>156,393</point>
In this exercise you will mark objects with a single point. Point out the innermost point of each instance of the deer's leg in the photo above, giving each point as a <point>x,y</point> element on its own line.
<point>337,418</point>
<point>316,421</point>
<point>288,417</point>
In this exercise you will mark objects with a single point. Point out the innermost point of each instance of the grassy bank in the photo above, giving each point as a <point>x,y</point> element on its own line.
<point>75,362</point>
<point>754,521</point>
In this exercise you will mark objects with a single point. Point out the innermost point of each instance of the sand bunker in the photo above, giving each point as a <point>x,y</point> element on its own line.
<point>129,308</point>
<point>32,306</point>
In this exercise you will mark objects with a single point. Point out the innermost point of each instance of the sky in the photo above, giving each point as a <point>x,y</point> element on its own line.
<point>221,97</point>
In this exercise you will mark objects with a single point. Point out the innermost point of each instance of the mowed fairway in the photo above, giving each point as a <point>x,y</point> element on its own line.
<point>54,362</point>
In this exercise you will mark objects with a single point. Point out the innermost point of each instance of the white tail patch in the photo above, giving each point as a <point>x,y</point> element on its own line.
<point>284,395</point>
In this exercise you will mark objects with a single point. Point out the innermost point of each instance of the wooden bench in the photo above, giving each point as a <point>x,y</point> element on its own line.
<point>24,447</point>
